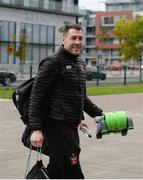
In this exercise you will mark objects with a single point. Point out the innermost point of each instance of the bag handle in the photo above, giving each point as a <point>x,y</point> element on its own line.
<point>39,154</point>
<point>39,157</point>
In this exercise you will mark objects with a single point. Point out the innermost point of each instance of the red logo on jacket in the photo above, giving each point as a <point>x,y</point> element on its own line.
<point>73,159</point>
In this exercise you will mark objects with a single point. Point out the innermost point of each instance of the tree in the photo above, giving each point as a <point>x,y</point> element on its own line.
<point>130,35</point>
<point>104,34</point>
<point>20,52</point>
<point>10,49</point>
<point>61,29</point>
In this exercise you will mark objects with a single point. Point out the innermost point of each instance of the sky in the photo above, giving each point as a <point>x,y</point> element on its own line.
<point>95,5</point>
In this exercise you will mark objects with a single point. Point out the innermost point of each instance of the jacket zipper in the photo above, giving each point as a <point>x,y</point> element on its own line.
<point>79,87</point>
<point>79,80</point>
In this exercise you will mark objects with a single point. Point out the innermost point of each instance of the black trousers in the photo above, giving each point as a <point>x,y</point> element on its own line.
<point>64,150</point>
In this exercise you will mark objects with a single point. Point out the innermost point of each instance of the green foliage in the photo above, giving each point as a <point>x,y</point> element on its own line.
<point>104,35</point>
<point>21,51</point>
<point>61,29</point>
<point>130,35</point>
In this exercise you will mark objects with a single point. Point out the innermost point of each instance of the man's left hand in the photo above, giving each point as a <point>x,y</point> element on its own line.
<point>83,124</point>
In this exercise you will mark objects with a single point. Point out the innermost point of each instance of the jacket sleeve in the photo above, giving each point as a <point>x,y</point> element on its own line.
<point>82,116</point>
<point>47,73</point>
<point>91,109</point>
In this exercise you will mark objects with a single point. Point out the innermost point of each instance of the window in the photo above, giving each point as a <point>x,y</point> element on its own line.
<point>12,31</point>
<point>31,3</point>
<point>116,41</point>
<point>108,41</point>
<point>91,52</point>
<point>68,5</point>
<point>50,50</point>
<point>76,2</point>
<point>43,34</point>
<point>6,1</point>
<point>4,55</point>
<point>7,34</point>
<point>4,31</point>
<point>28,55</point>
<point>35,55</point>
<point>22,29</point>
<point>26,30</point>
<point>8,31</point>
<point>46,4</point>
<point>43,52</point>
<point>90,30</point>
<point>114,53</point>
<point>51,32</point>
<point>109,20</point>
<point>36,33</point>
<point>40,36</point>
<point>90,41</point>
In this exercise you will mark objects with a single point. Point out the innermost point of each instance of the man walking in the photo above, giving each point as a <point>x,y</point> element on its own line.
<point>60,85</point>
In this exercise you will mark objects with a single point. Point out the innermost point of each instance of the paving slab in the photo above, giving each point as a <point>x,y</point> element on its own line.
<point>112,157</point>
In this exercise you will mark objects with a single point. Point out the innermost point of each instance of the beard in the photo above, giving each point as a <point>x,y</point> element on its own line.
<point>76,50</point>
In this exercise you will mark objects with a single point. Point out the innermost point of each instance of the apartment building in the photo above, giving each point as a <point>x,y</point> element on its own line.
<point>121,5</point>
<point>109,47</point>
<point>88,21</point>
<point>105,52</point>
<point>39,21</point>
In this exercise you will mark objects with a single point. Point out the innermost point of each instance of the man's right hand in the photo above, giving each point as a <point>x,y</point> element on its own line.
<point>37,138</point>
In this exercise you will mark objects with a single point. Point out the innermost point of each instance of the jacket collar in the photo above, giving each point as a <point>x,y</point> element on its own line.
<point>62,52</point>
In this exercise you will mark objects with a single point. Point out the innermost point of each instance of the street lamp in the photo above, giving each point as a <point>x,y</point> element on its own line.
<point>125,70</point>
<point>140,58</point>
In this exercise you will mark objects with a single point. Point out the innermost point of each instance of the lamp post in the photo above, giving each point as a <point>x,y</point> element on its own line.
<point>125,71</point>
<point>140,60</point>
<point>98,67</point>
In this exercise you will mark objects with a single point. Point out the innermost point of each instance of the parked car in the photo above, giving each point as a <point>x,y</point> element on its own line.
<point>6,78</point>
<point>91,73</point>
<point>113,67</point>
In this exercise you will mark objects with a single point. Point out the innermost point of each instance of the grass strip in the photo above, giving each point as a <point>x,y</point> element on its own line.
<point>105,90</point>
<point>6,92</point>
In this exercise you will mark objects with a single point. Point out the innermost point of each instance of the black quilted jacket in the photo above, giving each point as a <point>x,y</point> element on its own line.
<point>58,92</point>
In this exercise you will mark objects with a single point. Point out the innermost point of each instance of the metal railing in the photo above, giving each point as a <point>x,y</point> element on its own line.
<point>44,5</point>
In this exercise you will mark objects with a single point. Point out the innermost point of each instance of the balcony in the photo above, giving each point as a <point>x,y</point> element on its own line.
<point>38,5</point>
<point>90,45</point>
<point>90,35</point>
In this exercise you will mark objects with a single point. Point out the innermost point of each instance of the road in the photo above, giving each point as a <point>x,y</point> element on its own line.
<point>118,77</point>
<point>115,80</point>
<point>112,157</point>
<point>112,77</point>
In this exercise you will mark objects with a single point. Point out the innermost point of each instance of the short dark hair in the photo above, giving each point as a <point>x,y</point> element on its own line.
<point>71,26</point>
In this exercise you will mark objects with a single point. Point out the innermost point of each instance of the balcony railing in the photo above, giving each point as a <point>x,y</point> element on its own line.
<point>43,5</point>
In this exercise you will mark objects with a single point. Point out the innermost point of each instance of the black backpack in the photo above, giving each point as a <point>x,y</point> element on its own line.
<point>21,97</point>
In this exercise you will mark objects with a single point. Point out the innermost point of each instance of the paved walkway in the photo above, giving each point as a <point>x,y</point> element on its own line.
<point>112,157</point>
